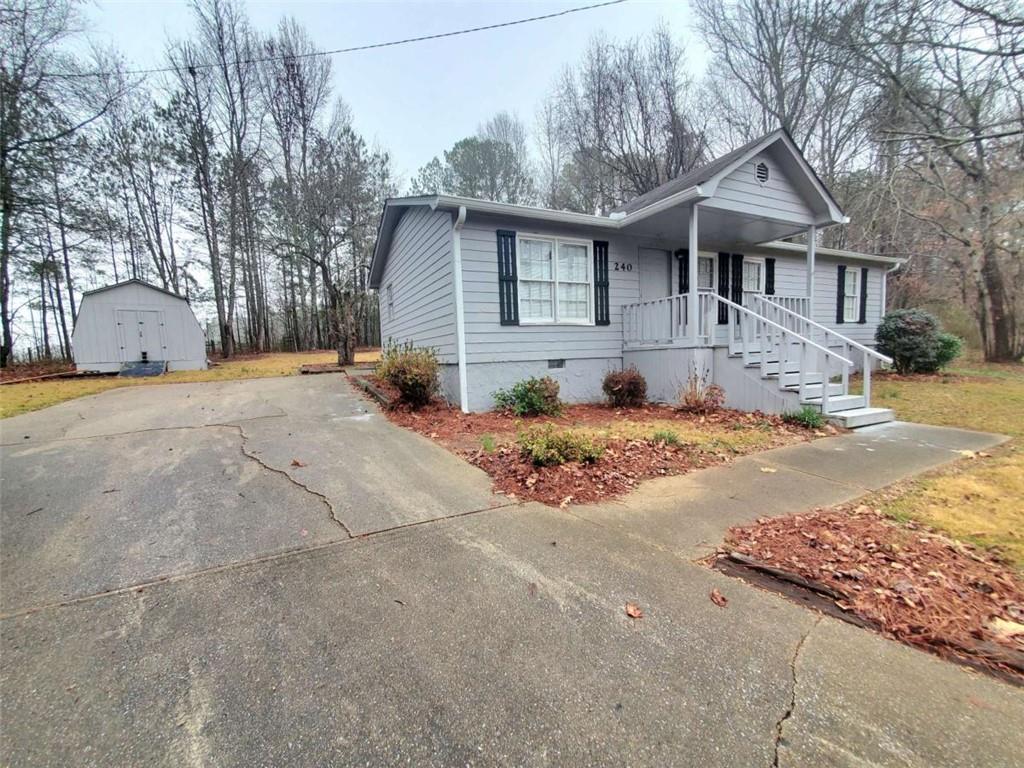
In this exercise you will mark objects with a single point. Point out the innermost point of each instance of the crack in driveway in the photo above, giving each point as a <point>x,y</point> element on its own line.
<point>287,475</point>
<point>780,725</point>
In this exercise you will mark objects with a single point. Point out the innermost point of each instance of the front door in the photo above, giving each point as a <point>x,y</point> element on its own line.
<point>655,274</point>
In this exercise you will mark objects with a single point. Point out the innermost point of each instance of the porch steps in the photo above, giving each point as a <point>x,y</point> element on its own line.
<point>849,411</point>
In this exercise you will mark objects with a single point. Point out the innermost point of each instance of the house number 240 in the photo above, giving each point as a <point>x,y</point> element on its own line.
<point>623,266</point>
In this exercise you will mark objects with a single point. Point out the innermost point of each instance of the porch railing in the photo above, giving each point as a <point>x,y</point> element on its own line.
<point>779,313</point>
<point>766,343</point>
<point>665,322</point>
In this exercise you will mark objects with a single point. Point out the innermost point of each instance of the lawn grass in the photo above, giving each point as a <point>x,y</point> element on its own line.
<point>31,396</point>
<point>710,437</point>
<point>981,499</point>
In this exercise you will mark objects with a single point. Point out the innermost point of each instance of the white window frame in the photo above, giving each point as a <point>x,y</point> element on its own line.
<point>713,257</point>
<point>854,315</point>
<point>556,242</point>
<point>761,282</point>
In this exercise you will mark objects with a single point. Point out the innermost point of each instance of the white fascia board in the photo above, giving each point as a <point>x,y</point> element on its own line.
<point>525,211</point>
<point>836,253</point>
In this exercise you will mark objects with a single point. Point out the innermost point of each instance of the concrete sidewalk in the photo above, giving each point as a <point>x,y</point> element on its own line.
<point>689,514</point>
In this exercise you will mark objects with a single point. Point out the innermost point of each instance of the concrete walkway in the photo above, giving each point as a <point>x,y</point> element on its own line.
<point>478,636</point>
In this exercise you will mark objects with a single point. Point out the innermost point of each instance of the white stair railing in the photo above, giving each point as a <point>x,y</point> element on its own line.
<point>660,321</point>
<point>752,333</point>
<point>779,313</point>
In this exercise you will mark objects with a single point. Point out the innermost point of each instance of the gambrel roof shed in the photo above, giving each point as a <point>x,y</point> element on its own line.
<point>135,321</point>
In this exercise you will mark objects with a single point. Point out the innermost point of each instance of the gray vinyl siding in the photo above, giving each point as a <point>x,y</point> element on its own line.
<point>775,199</point>
<point>419,272</point>
<point>487,341</point>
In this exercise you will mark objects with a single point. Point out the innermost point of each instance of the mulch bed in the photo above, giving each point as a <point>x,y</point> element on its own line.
<point>624,464</point>
<point>905,580</point>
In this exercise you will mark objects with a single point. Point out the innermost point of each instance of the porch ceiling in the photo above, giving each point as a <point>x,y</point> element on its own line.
<point>716,227</point>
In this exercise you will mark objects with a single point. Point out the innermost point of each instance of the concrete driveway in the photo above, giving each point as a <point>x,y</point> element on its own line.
<point>267,573</point>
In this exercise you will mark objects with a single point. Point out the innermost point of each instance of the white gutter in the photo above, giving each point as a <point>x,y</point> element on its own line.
<point>460,308</point>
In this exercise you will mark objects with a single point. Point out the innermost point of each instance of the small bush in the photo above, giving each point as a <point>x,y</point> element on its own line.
<point>911,337</point>
<point>950,347</point>
<point>698,396</point>
<point>807,417</point>
<point>487,443</point>
<point>666,436</point>
<point>531,397</point>
<point>547,447</point>
<point>625,388</point>
<point>412,371</point>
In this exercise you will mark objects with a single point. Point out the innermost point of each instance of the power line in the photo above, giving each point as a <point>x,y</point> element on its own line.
<point>354,48</point>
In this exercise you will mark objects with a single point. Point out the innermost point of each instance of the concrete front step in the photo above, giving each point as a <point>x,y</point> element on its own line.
<point>861,417</point>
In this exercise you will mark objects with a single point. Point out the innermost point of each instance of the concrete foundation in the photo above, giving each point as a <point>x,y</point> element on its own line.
<point>579,380</point>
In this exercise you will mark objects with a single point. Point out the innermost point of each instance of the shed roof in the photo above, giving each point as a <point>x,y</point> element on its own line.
<point>134,281</point>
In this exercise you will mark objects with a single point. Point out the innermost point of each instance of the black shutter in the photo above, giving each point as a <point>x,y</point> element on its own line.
<point>508,279</point>
<point>769,277</point>
<point>723,287</point>
<point>863,295</point>
<point>737,278</point>
<point>683,257</point>
<point>840,293</point>
<point>602,315</point>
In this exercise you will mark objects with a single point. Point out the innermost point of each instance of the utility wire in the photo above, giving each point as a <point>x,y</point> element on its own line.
<point>355,48</point>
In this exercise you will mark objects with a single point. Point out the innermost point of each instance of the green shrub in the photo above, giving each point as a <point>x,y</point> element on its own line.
<point>911,337</point>
<point>531,397</point>
<point>698,396</point>
<point>625,388</point>
<point>807,417</point>
<point>950,347</point>
<point>412,371</point>
<point>666,436</point>
<point>487,443</point>
<point>547,447</point>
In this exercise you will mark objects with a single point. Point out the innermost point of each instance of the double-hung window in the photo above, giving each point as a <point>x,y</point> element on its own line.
<point>851,295</point>
<point>753,276</point>
<point>556,282</point>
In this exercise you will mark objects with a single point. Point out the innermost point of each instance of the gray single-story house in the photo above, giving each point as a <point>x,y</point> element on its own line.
<point>692,277</point>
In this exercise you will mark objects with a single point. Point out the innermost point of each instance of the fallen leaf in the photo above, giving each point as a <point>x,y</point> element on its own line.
<point>769,470</point>
<point>718,598</point>
<point>967,454</point>
<point>634,611</point>
<point>297,463</point>
<point>565,502</point>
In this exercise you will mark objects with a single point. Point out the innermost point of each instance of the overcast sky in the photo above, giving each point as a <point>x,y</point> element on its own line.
<point>418,99</point>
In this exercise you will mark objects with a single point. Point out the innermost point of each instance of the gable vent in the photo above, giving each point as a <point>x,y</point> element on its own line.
<point>761,171</point>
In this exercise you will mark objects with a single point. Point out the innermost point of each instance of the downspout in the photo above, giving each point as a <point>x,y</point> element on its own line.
<point>460,309</point>
<point>885,285</point>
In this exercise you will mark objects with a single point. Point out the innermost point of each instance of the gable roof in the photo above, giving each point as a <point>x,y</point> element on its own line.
<point>711,173</point>
<point>694,186</point>
<point>134,281</point>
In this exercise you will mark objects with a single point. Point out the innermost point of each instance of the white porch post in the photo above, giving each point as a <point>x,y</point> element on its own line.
<point>691,296</point>
<point>812,232</point>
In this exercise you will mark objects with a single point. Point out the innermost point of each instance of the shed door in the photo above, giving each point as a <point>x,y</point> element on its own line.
<point>141,335</point>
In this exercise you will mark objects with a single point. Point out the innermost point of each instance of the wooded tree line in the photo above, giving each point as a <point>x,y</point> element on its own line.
<point>236,178</point>
<point>241,147</point>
